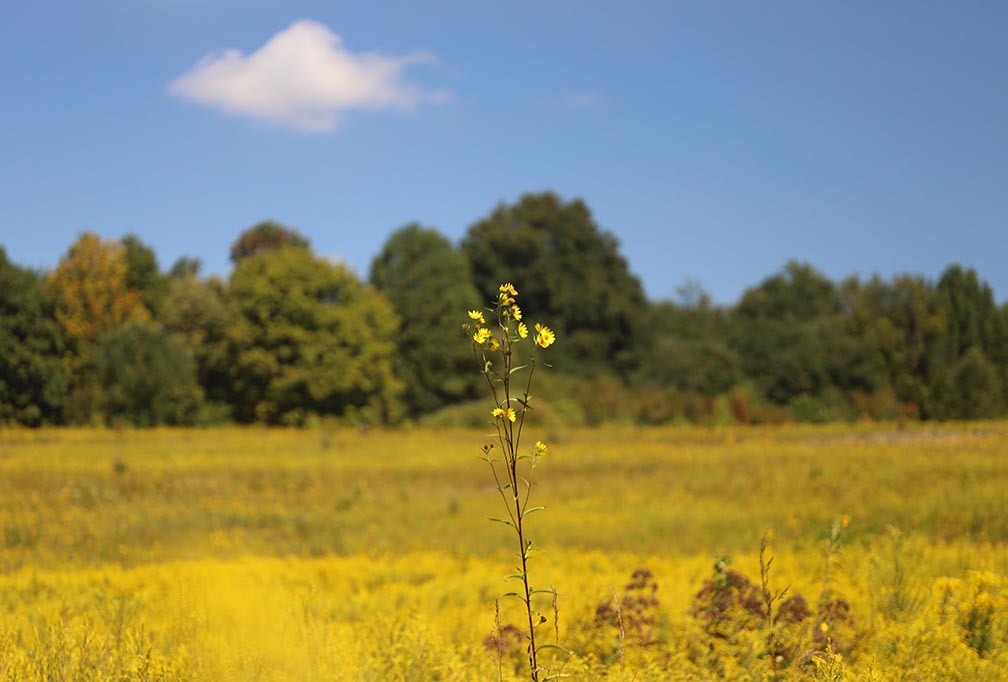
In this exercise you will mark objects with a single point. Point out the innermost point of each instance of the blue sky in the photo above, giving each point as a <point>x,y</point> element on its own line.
<point>716,140</point>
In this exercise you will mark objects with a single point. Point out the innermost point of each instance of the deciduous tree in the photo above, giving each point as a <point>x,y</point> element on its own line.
<point>684,345</point>
<point>145,377</point>
<point>428,281</point>
<point>899,321</point>
<point>267,235</point>
<point>309,339</point>
<point>570,271</point>
<point>790,335</point>
<point>33,381</point>
<point>143,273</point>
<point>197,312</point>
<point>90,290</point>
<point>972,348</point>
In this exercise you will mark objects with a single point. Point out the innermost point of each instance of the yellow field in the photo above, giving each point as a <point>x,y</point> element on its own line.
<point>340,555</point>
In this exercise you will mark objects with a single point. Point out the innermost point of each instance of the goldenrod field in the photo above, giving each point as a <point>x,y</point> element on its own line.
<point>326,554</point>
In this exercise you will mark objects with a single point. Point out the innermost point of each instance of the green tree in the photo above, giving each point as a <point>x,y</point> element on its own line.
<point>972,319</point>
<point>975,389</point>
<point>973,343</point>
<point>797,293</point>
<point>427,281</point>
<point>267,235</point>
<point>185,266</point>
<point>143,273</point>
<point>309,339</point>
<point>899,321</point>
<point>851,364</point>
<point>793,341</point>
<point>197,311</point>
<point>784,358</point>
<point>684,344</point>
<point>773,333</point>
<point>33,382</point>
<point>572,273</point>
<point>145,377</point>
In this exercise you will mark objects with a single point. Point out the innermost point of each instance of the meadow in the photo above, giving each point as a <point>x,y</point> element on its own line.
<point>338,554</point>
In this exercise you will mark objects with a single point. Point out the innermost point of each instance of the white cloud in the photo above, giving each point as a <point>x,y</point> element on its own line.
<point>303,77</point>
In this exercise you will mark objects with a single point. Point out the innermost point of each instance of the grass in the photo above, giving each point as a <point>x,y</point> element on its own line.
<point>251,554</point>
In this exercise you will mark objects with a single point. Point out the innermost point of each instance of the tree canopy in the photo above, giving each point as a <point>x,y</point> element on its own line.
<point>309,339</point>
<point>33,380</point>
<point>143,274</point>
<point>268,235</point>
<point>290,338</point>
<point>570,271</point>
<point>791,334</point>
<point>91,291</point>
<point>198,313</point>
<point>428,281</point>
<point>146,377</point>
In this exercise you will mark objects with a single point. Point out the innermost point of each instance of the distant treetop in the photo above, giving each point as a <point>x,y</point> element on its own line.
<point>266,236</point>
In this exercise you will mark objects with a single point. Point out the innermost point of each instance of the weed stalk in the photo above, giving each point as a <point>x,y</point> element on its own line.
<point>494,349</point>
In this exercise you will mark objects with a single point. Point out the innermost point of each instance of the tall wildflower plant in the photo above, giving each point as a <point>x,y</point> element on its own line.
<point>496,345</point>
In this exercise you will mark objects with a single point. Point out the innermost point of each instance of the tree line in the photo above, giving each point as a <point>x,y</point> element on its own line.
<point>290,338</point>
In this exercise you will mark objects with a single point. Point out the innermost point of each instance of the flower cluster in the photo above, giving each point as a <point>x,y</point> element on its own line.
<point>507,312</point>
<point>510,467</point>
<point>508,414</point>
<point>544,335</point>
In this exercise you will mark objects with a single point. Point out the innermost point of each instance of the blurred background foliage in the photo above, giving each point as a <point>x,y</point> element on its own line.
<point>111,337</point>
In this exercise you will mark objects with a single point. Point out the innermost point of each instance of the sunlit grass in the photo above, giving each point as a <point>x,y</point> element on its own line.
<point>249,554</point>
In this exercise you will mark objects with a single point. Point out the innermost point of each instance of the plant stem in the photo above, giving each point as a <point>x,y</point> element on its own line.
<point>508,436</point>
<point>533,662</point>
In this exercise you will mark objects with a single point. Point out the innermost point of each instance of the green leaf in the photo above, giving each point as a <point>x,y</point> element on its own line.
<point>504,521</point>
<point>530,510</point>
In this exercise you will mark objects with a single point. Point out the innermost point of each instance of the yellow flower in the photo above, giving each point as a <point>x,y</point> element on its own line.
<point>508,288</point>
<point>493,345</point>
<point>504,299</point>
<point>498,412</point>
<point>844,521</point>
<point>482,335</point>
<point>477,315</point>
<point>516,312</point>
<point>544,336</point>
<point>540,447</point>
<point>511,414</point>
<point>522,330</point>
